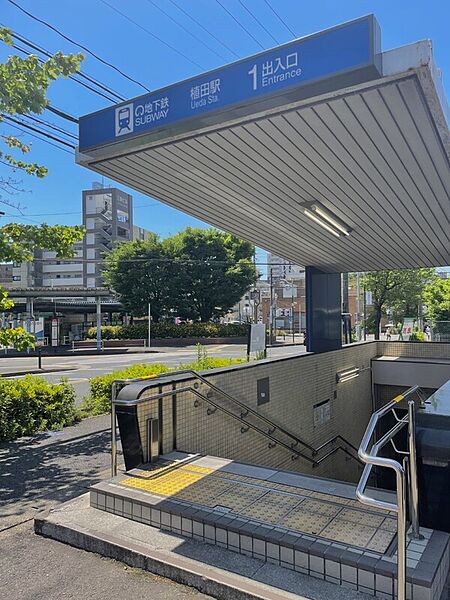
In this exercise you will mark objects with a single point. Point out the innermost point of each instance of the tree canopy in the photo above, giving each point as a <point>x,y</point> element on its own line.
<point>23,89</point>
<point>436,297</point>
<point>401,291</point>
<point>197,274</point>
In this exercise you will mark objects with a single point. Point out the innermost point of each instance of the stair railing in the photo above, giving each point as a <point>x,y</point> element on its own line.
<point>371,458</point>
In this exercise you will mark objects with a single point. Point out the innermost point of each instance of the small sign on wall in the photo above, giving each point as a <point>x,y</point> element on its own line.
<point>262,391</point>
<point>321,413</point>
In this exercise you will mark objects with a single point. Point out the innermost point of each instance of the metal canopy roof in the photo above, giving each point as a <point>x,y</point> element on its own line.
<point>375,154</point>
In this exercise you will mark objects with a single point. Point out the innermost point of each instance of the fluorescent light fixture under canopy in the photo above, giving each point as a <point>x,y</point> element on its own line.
<point>326,219</point>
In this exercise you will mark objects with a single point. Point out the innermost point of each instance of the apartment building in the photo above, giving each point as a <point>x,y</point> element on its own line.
<point>108,220</point>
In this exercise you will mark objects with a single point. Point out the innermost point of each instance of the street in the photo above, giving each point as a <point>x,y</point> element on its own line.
<point>79,369</point>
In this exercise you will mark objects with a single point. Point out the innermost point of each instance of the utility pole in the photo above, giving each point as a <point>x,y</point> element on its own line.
<point>292,311</point>
<point>271,309</point>
<point>99,323</point>
<point>149,341</point>
<point>358,307</point>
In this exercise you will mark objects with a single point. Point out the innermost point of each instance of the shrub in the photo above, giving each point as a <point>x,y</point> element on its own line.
<point>167,329</point>
<point>99,400</point>
<point>32,404</point>
<point>417,336</point>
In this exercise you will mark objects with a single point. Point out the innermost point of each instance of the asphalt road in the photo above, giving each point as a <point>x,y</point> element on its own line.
<point>79,369</point>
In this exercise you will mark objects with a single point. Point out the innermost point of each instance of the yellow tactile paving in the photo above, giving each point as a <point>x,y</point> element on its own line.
<point>152,472</point>
<point>165,485</point>
<point>196,469</point>
<point>332,517</point>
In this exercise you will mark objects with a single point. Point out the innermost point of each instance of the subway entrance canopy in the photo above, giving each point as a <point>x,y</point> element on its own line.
<point>325,150</point>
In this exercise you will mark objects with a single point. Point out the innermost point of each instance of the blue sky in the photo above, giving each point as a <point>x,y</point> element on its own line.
<point>57,198</point>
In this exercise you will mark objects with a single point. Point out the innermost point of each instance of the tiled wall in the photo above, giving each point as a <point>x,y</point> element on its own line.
<point>297,384</point>
<point>414,349</point>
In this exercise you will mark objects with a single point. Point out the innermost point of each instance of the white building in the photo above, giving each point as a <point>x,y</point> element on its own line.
<point>280,268</point>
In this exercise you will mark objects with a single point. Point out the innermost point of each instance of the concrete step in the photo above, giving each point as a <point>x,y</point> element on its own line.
<point>306,524</point>
<point>211,570</point>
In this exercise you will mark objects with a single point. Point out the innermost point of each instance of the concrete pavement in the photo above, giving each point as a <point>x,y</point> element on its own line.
<point>35,568</point>
<point>37,473</point>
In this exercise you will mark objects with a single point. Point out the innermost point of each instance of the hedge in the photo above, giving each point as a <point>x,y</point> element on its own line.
<point>99,399</point>
<point>32,404</point>
<point>167,329</point>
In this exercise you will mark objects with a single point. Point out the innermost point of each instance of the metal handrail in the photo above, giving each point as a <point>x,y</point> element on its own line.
<point>273,426</point>
<point>247,410</point>
<point>194,391</point>
<point>372,459</point>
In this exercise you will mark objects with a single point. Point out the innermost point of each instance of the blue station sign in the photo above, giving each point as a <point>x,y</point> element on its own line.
<point>342,55</point>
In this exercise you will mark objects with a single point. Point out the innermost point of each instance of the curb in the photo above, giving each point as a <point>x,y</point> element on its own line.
<point>36,371</point>
<point>208,580</point>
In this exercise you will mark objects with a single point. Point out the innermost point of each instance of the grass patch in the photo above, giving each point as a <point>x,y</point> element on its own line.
<point>98,402</point>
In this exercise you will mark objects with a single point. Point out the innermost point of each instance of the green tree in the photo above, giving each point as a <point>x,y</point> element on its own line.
<point>23,89</point>
<point>197,274</point>
<point>436,297</point>
<point>401,291</point>
<point>217,269</point>
<point>142,272</point>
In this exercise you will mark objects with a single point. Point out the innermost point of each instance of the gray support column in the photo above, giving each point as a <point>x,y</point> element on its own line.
<point>323,310</point>
<point>99,323</point>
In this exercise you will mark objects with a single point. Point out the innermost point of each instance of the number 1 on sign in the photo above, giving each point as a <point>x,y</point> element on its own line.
<point>253,72</point>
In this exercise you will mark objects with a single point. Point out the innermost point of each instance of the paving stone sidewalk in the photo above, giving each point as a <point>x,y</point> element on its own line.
<point>37,473</point>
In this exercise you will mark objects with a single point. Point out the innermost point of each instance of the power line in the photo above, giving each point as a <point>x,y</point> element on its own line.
<point>51,126</point>
<point>180,8</point>
<point>85,48</point>
<point>150,33</point>
<point>37,130</point>
<point>78,212</point>
<point>186,30</point>
<point>74,76</point>
<point>258,21</point>
<point>240,24</point>
<point>280,18</point>
<point>39,138</point>
<point>85,85</point>
<point>61,113</point>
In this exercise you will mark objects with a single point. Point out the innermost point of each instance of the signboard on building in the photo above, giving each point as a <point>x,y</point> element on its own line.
<point>348,53</point>
<point>39,331</point>
<point>290,291</point>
